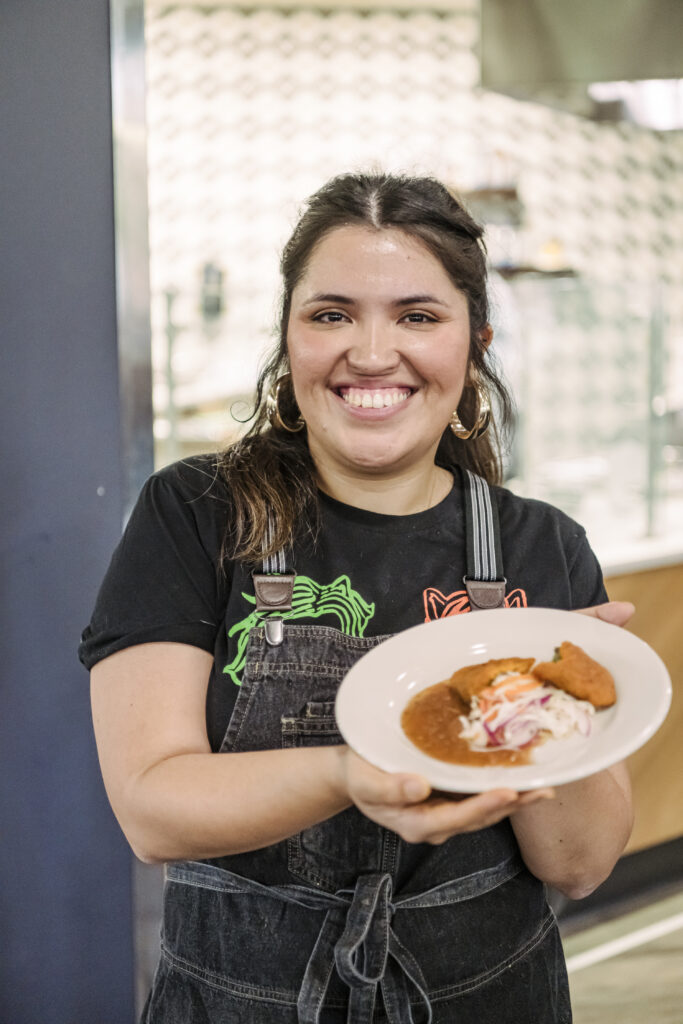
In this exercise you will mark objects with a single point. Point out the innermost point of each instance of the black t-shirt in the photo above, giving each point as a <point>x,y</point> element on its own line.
<point>366,574</point>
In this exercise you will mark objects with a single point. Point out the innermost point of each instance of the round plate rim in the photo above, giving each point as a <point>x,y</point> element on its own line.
<point>455,778</point>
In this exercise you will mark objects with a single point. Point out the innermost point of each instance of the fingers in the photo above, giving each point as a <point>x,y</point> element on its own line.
<point>616,612</point>
<point>535,795</point>
<point>437,820</point>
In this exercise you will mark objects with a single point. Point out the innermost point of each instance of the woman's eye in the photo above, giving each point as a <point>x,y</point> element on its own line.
<point>329,317</point>
<point>419,318</point>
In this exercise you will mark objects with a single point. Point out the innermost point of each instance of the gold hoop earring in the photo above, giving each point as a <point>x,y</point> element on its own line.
<point>273,407</point>
<point>482,422</point>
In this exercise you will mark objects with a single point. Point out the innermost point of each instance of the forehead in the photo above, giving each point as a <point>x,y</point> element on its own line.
<point>357,253</point>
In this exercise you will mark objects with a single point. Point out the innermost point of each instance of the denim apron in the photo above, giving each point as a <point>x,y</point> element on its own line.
<point>346,923</point>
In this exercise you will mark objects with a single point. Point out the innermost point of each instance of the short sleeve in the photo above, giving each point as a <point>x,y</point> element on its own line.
<point>585,576</point>
<point>163,582</point>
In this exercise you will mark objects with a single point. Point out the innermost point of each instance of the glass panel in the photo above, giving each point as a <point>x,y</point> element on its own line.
<point>597,432</point>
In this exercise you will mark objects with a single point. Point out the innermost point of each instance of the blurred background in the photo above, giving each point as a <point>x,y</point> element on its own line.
<point>249,109</point>
<point>156,156</point>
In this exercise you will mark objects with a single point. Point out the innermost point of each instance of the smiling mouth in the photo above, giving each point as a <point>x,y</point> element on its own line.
<point>374,398</point>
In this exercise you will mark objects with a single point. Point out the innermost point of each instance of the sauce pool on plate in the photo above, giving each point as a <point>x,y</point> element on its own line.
<point>431,720</point>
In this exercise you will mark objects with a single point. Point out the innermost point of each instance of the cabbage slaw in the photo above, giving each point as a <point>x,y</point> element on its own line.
<point>513,710</point>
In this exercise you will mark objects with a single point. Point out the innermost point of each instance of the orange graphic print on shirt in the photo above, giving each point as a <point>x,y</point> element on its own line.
<point>440,606</point>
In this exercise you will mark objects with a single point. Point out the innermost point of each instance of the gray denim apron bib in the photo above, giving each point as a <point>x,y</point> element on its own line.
<point>345,923</point>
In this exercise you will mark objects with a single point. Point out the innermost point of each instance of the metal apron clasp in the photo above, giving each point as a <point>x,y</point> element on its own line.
<point>274,593</point>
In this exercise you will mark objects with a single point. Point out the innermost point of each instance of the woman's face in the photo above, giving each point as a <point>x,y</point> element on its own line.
<point>378,340</point>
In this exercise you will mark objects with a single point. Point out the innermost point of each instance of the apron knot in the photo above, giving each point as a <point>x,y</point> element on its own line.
<point>361,953</point>
<point>368,955</point>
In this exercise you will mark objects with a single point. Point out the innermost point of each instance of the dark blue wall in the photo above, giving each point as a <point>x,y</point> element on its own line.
<point>65,871</point>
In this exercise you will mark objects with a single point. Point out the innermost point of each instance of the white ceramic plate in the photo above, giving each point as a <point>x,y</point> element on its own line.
<point>373,694</point>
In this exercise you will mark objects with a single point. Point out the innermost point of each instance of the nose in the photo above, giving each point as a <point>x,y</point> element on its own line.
<point>373,348</point>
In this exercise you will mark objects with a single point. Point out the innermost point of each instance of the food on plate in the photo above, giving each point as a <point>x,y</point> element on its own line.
<point>497,711</point>
<point>472,679</point>
<point>516,711</point>
<point>576,672</point>
<point>432,720</point>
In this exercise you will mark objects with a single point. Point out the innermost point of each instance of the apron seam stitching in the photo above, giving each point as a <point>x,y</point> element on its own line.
<point>464,987</point>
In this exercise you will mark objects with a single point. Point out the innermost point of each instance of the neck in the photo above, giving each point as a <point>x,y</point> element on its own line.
<point>403,494</point>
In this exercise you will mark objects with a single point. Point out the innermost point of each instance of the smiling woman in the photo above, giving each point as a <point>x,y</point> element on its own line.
<point>305,884</point>
<point>378,367</point>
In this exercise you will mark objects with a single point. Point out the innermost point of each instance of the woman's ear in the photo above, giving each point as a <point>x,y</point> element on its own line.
<point>486,335</point>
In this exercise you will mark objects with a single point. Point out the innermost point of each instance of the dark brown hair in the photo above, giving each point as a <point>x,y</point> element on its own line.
<point>269,472</point>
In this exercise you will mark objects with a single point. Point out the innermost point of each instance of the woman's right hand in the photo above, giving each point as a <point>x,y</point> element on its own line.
<point>407,805</point>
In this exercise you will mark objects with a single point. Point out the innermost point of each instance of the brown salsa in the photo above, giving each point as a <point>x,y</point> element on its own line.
<point>431,720</point>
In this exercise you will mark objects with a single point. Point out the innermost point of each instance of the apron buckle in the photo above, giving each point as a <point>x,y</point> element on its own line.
<point>273,591</point>
<point>485,594</point>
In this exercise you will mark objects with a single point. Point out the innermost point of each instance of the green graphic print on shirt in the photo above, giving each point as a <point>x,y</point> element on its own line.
<point>310,600</point>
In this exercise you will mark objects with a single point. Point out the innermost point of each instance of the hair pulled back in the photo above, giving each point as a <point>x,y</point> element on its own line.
<point>270,472</point>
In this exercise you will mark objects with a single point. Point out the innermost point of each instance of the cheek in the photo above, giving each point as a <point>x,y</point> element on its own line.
<point>441,355</point>
<point>310,371</point>
<point>311,359</point>
<point>449,371</point>
<point>305,370</point>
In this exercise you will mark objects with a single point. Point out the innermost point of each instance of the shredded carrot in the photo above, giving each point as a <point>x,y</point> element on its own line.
<point>491,695</point>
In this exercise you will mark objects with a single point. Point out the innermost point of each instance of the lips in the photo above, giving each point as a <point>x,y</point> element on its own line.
<point>374,398</point>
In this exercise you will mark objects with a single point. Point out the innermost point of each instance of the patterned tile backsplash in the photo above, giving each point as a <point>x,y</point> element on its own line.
<point>250,109</point>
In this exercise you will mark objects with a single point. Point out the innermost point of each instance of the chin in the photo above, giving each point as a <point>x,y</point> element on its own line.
<point>375,462</point>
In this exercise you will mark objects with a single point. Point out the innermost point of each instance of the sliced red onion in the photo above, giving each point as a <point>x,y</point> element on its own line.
<point>516,722</point>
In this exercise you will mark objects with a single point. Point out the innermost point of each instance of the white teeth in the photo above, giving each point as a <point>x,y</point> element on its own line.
<point>383,398</point>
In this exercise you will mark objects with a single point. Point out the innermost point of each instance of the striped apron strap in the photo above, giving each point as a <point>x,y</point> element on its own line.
<point>484,580</point>
<point>276,563</point>
<point>274,589</point>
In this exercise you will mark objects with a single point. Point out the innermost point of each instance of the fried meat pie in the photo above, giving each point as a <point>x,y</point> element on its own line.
<point>575,672</point>
<point>468,682</point>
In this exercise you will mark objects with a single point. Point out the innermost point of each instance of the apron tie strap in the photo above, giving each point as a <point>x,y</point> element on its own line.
<point>361,953</point>
<point>367,953</point>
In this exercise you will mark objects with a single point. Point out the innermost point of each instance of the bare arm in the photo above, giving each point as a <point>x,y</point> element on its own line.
<point>574,841</point>
<point>172,796</point>
<point>175,799</point>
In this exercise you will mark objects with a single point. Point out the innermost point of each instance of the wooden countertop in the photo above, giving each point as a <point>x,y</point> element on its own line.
<point>657,768</point>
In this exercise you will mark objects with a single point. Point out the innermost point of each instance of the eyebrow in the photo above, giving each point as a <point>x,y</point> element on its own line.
<point>344,300</point>
<point>413,300</point>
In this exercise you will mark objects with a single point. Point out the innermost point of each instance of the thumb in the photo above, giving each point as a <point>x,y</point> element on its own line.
<point>414,789</point>
<point>616,612</point>
<point>376,786</point>
<point>394,789</point>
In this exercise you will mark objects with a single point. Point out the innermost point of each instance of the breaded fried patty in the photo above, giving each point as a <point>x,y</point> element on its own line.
<point>471,680</point>
<point>576,673</point>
